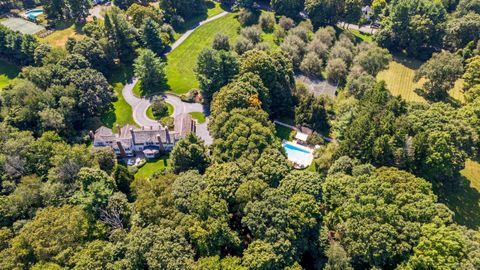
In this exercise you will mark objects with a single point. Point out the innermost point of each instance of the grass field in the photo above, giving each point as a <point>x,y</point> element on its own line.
<point>472,173</point>
<point>61,34</point>
<point>7,73</point>
<point>399,78</point>
<point>182,61</point>
<point>200,117</point>
<point>152,167</point>
<point>121,112</point>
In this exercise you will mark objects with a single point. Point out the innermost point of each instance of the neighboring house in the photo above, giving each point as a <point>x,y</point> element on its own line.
<point>367,10</point>
<point>151,141</point>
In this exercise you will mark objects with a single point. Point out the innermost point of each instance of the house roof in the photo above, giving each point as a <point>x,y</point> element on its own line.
<point>301,136</point>
<point>184,124</point>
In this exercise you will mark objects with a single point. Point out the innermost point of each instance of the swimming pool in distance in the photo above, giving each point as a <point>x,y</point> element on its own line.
<point>298,154</point>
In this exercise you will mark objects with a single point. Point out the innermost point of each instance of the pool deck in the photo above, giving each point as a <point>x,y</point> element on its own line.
<point>297,163</point>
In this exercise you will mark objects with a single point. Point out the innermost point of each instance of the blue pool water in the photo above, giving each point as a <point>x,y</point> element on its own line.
<point>297,154</point>
<point>34,13</point>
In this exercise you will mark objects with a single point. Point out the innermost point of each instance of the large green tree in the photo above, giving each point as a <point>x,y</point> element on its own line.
<point>214,70</point>
<point>290,8</point>
<point>413,26</point>
<point>324,12</point>
<point>152,37</point>
<point>276,71</point>
<point>189,153</point>
<point>379,214</point>
<point>441,72</point>
<point>150,70</point>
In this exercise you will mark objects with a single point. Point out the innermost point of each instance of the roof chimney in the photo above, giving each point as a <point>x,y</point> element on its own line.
<point>151,127</point>
<point>162,148</point>
<point>122,150</point>
<point>119,130</point>
<point>133,135</point>
<point>167,136</point>
<point>91,134</point>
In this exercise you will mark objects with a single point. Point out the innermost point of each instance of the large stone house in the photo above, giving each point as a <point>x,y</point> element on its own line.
<point>151,141</point>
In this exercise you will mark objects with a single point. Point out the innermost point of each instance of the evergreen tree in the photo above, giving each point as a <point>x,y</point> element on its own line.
<point>152,37</point>
<point>150,70</point>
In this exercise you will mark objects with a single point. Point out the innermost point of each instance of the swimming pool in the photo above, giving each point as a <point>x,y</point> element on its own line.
<point>33,14</point>
<point>298,154</point>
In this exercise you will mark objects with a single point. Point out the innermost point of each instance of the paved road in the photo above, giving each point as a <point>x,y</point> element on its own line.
<point>189,32</point>
<point>140,105</point>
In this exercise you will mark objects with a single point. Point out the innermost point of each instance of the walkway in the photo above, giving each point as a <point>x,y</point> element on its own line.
<point>140,105</point>
<point>367,29</point>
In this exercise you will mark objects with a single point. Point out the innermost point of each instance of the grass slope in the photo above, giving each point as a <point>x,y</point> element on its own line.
<point>150,168</point>
<point>7,73</point>
<point>182,61</point>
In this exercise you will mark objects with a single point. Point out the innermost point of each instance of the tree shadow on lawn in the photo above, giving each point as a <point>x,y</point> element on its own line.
<point>139,91</point>
<point>407,61</point>
<point>462,199</point>
<point>121,75</point>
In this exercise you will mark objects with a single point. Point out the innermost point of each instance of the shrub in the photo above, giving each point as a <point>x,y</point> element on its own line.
<point>312,64</point>
<point>336,70</point>
<point>247,17</point>
<point>267,22</point>
<point>319,48</point>
<point>315,139</point>
<point>343,53</point>
<point>326,35</point>
<point>295,48</point>
<point>263,46</point>
<point>286,23</point>
<point>243,45</point>
<point>159,106</point>
<point>252,33</point>
<point>190,96</point>
<point>301,32</point>
<point>221,42</point>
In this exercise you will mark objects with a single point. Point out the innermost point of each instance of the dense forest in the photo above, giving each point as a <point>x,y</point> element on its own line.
<point>368,201</point>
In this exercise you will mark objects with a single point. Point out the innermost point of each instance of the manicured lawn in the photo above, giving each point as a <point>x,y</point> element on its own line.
<point>360,36</point>
<point>139,92</point>
<point>399,78</point>
<point>61,34</point>
<point>214,8</point>
<point>182,61</point>
<point>284,132</point>
<point>472,173</point>
<point>152,167</point>
<point>7,73</point>
<point>150,112</point>
<point>200,117</point>
<point>121,112</point>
